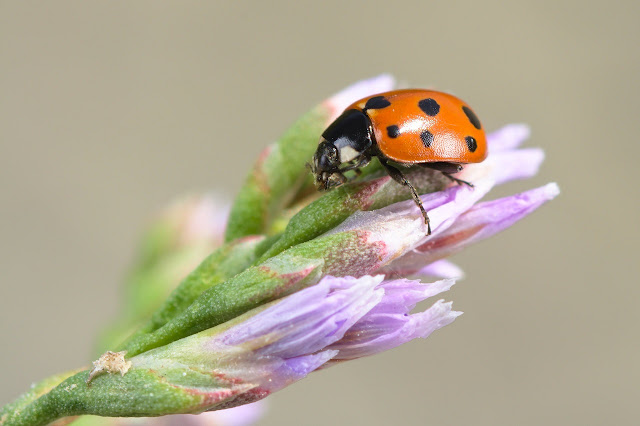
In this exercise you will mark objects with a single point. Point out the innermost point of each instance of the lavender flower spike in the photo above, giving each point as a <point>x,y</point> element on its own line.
<point>259,352</point>
<point>337,319</point>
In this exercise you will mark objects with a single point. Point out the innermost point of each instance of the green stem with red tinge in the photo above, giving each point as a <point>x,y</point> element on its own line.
<point>222,264</point>
<point>140,392</point>
<point>277,176</point>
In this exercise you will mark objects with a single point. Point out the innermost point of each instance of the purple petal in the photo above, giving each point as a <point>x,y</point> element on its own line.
<point>303,365</point>
<point>507,138</point>
<point>383,332</point>
<point>464,198</point>
<point>480,222</point>
<point>442,269</point>
<point>308,320</point>
<point>296,368</point>
<point>389,324</point>
<point>504,166</point>
<point>517,164</point>
<point>491,217</point>
<point>401,296</point>
<point>243,415</point>
<point>341,100</point>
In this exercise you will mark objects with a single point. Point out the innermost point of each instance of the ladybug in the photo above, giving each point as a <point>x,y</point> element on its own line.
<point>411,127</point>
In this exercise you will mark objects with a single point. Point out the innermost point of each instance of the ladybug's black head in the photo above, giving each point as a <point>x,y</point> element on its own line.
<point>345,142</point>
<point>326,165</point>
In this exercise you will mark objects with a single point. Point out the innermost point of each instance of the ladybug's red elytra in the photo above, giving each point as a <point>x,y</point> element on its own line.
<point>407,127</point>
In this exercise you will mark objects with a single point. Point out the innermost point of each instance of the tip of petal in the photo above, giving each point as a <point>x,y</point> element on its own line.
<point>445,309</point>
<point>455,314</point>
<point>444,285</point>
<point>508,137</point>
<point>551,190</point>
<point>437,316</point>
<point>534,198</point>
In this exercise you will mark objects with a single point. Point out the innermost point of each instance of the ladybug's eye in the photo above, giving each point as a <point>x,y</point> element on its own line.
<point>332,153</point>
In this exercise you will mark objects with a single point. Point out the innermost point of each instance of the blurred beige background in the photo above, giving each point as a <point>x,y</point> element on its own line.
<point>108,110</point>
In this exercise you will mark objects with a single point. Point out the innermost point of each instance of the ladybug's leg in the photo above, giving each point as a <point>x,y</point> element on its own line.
<point>448,169</point>
<point>399,177</point>
<point>360,162</point>
<point>336,179</point>
<point>458,181</point>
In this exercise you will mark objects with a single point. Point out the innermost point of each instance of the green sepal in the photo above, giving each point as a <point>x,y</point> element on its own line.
<point>222,264</point>
<point>276,177</point>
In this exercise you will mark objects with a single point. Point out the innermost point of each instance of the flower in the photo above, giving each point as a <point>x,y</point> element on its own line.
<point>265,350</point>
<point>272,305</point>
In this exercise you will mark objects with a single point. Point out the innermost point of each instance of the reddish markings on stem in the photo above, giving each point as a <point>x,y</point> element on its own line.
<point>240,392</point>
<point>365,195</point>
<point>224,378</point>
<point>451,240</point>
<point>259,175</point>
<point>212,398</point>
<point>355,257</point>
<point>288,282</point>
<point>252,395</point>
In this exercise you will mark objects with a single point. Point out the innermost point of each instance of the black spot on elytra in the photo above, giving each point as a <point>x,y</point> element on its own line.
<point>429,106</point>
<point>471,143</point>
<point>427,138</point>
<point>393,131</point>
<point>473,118</point>
<point>377,102</point>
